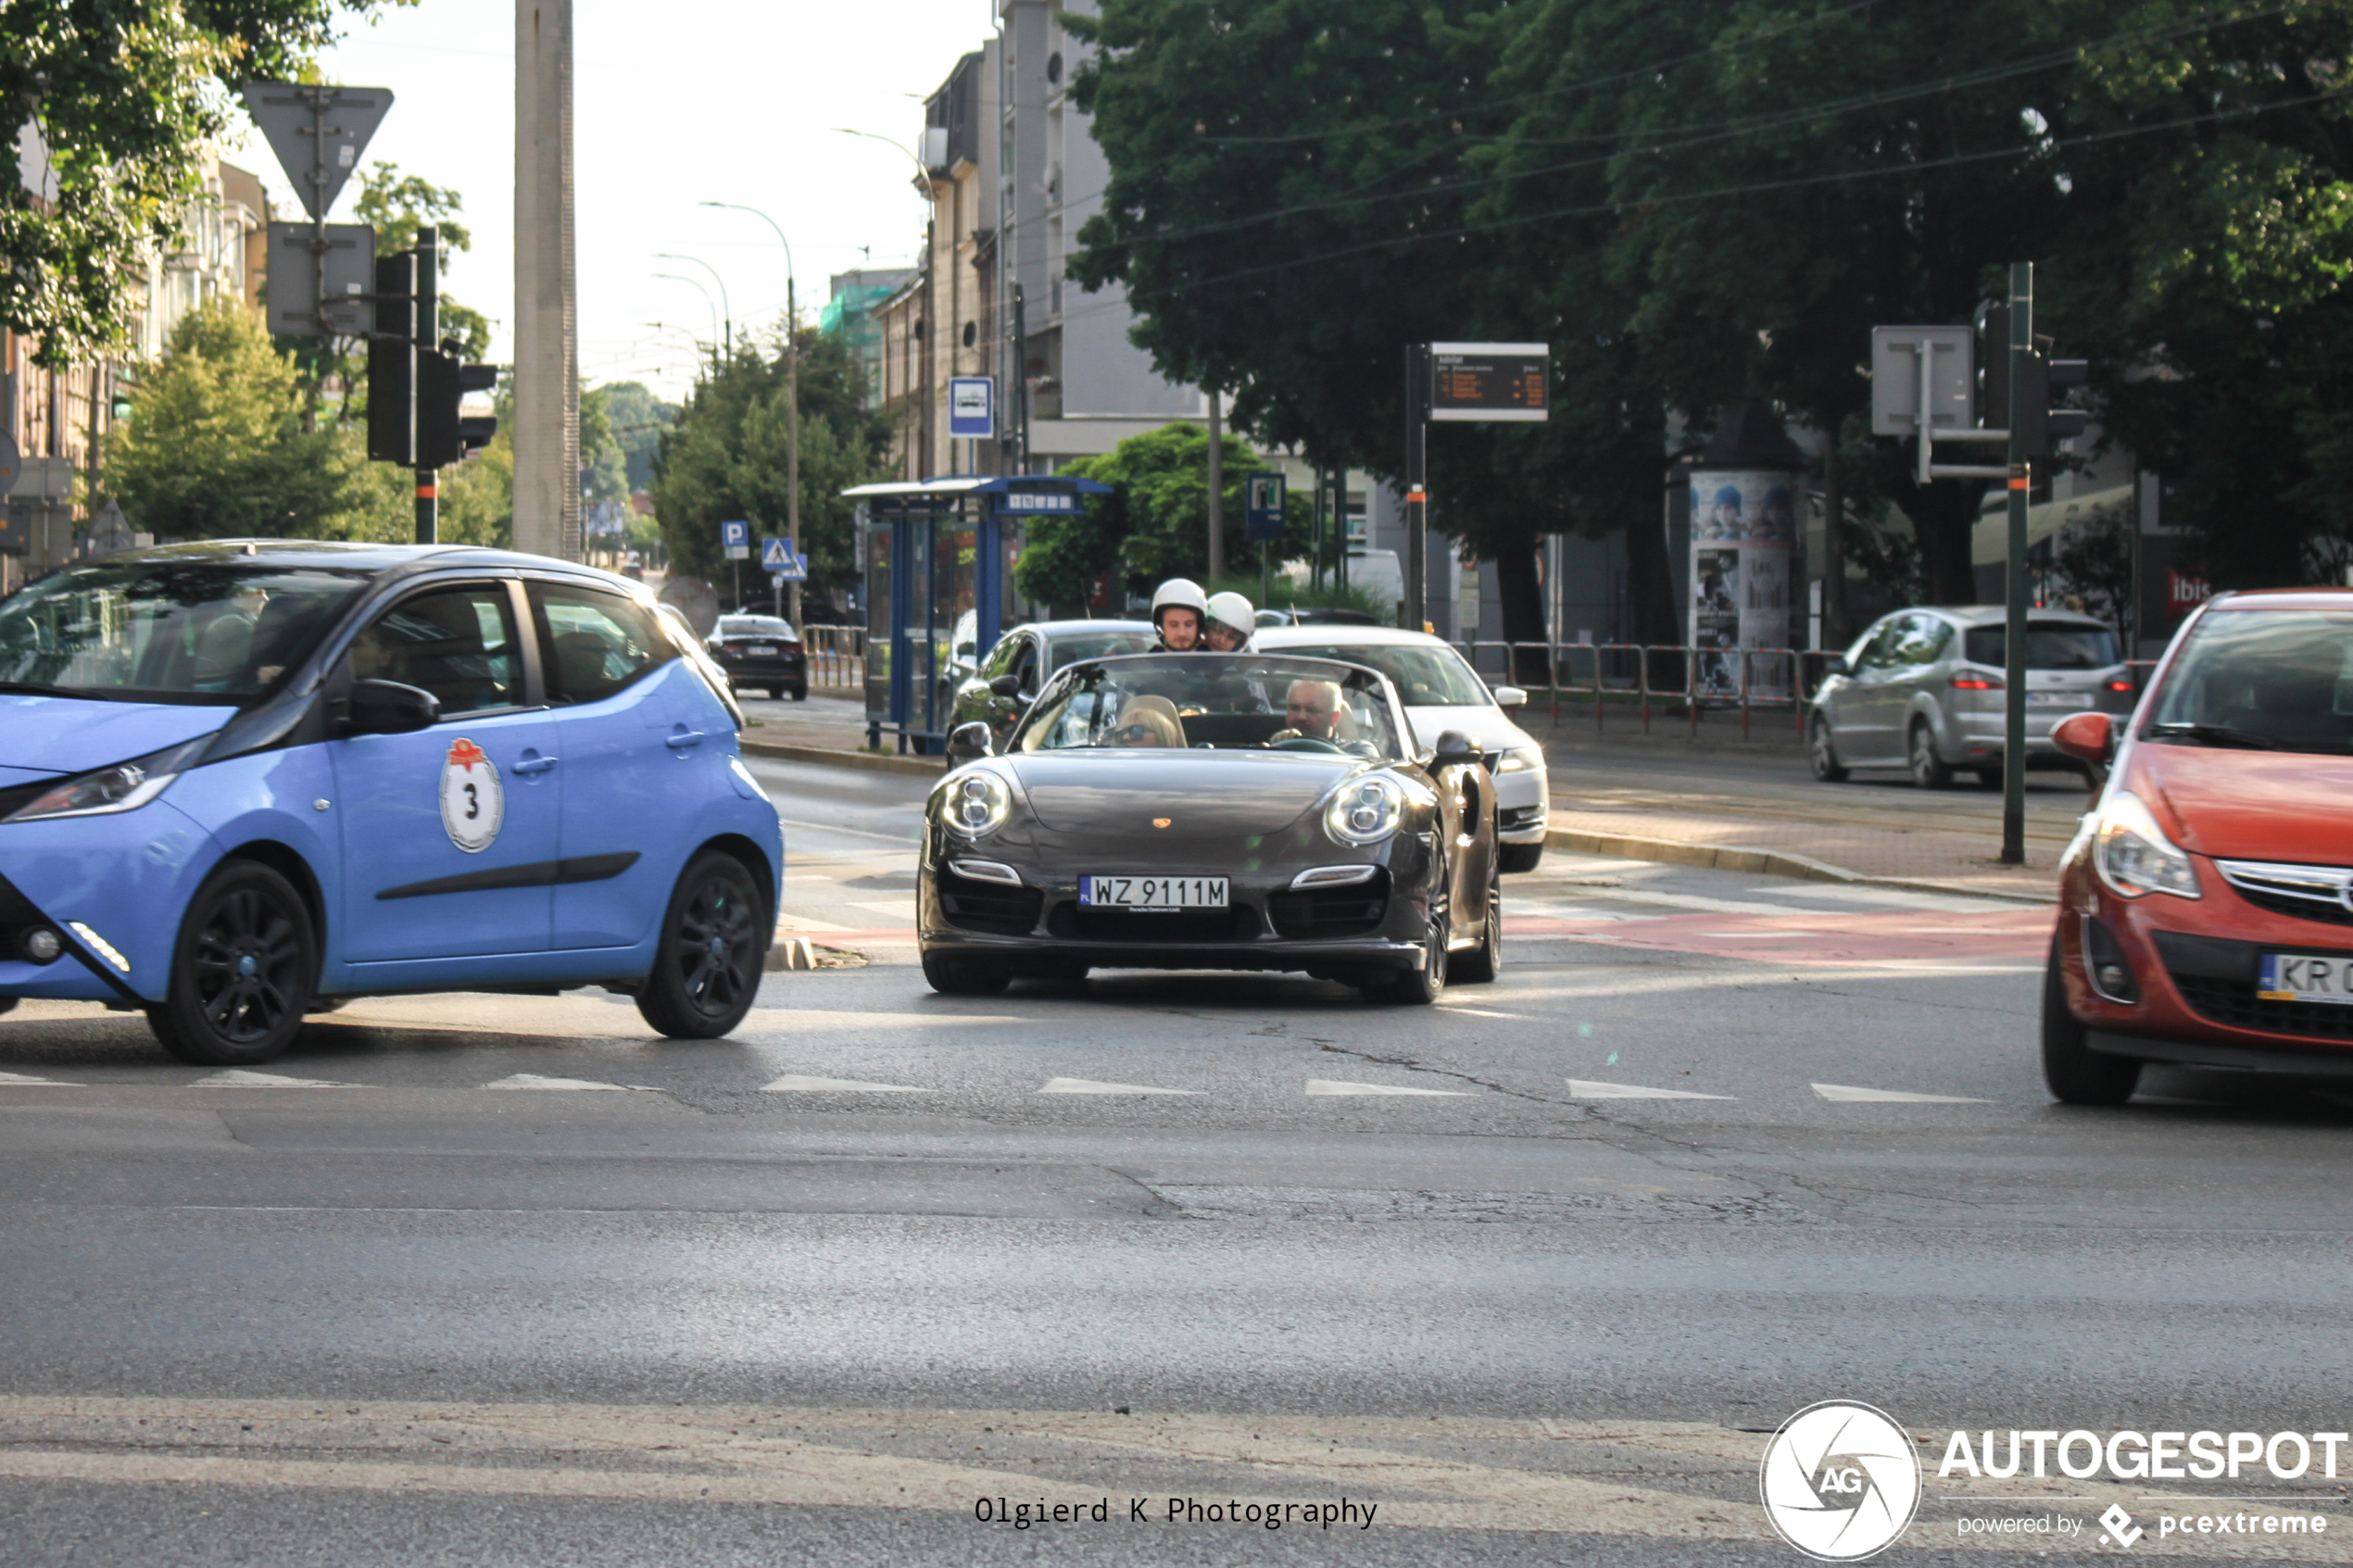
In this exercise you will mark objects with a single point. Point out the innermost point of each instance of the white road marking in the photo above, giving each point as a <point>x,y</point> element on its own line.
<point>909,839</point>
<point>535,1081</point>
<point>1341,1087</point>
<point>802,925</point>
<point>1847,1094</point>
<point>1586,1088</point>
<point>1088,1086</point>
<point>1762,935</point>
<point>895,909</point>
<point>1482,1013</point>
<point>793,1082</point>
<point>239,1078</point>
<point>21,1081</point>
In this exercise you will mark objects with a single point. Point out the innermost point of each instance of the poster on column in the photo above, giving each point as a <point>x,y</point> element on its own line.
<point>1743,523</point>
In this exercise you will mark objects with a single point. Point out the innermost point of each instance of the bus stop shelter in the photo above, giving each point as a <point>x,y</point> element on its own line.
<point>936,558</point>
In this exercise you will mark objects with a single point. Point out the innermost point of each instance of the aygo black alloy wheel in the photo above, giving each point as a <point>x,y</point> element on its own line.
<point>242,970</point>
<point>706,967</point>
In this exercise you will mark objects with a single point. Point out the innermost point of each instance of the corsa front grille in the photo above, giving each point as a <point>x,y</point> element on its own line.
<point>2313,893</point>
<point>1310,912</point>
<point>2235,1003</point>
<point>991,907</point>
<point>1077,922</point>
<point>2298,909</point>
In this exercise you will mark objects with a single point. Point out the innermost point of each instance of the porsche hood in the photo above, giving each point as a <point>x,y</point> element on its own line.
<point>1201,794</point>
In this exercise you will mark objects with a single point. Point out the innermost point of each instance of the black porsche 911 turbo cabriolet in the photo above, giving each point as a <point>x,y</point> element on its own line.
<point>1200,811</point>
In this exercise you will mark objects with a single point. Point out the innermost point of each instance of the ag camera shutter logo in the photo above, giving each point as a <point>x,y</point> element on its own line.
<point>1840,1481</point>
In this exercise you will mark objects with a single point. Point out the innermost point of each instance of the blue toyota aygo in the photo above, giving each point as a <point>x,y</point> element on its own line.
<point>241,780</point>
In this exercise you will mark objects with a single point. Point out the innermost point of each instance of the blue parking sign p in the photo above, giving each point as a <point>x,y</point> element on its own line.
<point>736,539</point>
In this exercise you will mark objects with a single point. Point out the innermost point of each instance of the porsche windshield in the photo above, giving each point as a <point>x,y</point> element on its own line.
<point>167,631</point>
<point>1252,702</point>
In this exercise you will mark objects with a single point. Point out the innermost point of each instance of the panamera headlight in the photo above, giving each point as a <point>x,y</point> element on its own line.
<point>977,804</point>
<point>1365,811</point>
<point>2132,854</point>
<point>125,786</point>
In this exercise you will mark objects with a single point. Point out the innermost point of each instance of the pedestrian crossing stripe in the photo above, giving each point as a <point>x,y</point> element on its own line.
<point>533,1081</point>
<point>1342,1086</point>
<point>1587,1088</point>
<point>1088,1086</point>
<point>240,1078</point>
<point>1847,1094</point>
<point>793,1082</point>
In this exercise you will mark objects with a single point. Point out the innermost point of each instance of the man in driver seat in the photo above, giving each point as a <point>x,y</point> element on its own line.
<point>1313,710</point>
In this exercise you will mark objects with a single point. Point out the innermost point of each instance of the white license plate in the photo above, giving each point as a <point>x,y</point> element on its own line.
<point>762,650</point>
<point>2302,977</point>
<point>1153,892</point>
<point>2059,699</point>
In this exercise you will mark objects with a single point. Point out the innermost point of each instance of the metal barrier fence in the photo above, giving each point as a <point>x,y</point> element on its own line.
<point>1771,679</point>
<point>836,655</point>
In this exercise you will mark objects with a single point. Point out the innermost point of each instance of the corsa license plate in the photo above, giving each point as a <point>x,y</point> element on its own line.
<point>2306,977</point>
<point>762,650</point>
<point>1153,892</point>
<point>2059,699</point>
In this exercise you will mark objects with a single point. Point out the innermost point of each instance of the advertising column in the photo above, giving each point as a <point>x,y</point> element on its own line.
<point>1743,522</point>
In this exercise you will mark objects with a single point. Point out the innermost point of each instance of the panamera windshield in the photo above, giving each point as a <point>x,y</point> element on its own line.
<point>167,631</point>
<point>1214,702</point>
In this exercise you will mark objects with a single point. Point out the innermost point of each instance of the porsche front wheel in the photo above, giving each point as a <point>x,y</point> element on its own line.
<point>242,971</point>
<point>707,963</point>
<point>1419,987</point>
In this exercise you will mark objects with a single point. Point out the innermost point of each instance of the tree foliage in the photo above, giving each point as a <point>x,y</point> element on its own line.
<point>124,95</point>
<point>726,458</point>
<point>1153,525</point>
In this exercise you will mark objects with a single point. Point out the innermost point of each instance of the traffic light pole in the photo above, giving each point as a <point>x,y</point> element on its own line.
<point>2014,649</point>
<point>428,330</point>
<point>1417,608</point>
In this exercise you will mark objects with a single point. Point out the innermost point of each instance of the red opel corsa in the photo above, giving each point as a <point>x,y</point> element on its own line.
<point>2207,905</point>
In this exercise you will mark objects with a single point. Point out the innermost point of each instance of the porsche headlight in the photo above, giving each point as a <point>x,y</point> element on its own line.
<point>126,786</point>
<point>1519,760</point>
<point>977,804</point>
<point>2134,856</point>
<point>1365,811</point>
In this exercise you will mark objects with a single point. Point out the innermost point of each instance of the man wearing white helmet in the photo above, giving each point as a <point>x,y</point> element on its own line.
<point>1178,609</point>
<point>1231,621</point>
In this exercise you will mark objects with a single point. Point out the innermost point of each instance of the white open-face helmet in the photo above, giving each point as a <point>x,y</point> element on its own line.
<point>1234,613</point>
<point>1179,593</point>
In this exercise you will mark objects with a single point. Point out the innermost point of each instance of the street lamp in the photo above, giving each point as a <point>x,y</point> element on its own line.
<point>726,309</point>
<point>792,391</point>
<point>715,320</point>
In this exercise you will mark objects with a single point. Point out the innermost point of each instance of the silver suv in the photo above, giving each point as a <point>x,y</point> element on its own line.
<point>1922,689</point>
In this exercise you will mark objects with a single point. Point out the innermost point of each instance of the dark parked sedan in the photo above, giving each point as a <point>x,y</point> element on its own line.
<point>1211,811</point>
<point>761,650</point>
<point>1007,680</point>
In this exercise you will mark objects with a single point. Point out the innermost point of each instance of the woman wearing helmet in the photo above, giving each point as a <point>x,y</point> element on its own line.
<point>1178,609</point>
<point>1230,623</point>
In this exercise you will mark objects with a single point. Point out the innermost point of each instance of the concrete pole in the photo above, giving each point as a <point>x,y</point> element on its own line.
<point>1216,491</point>
<point>547,411</point>
<point>792,423</point>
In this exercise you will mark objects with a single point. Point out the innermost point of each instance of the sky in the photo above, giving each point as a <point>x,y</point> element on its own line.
<point>673,105</point>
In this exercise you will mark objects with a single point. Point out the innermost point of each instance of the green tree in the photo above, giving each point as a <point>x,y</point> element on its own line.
<point>726,458</point>
<point>126,97</point>
<point>638,418</point>
<point>214,445</point>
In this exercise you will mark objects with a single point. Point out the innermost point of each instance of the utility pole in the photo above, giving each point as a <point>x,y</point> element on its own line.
<point>428,331</point>
<point>547,321</point>
<point>792,424</point>
<point>1020,380</point>
<point>1340,526</point>
<point>1416,611</point>
<point>2020,483</point>
<point>1216,491</point>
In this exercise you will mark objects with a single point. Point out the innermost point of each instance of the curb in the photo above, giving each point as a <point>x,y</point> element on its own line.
<point>927,767</point>
<point>1766,863</point>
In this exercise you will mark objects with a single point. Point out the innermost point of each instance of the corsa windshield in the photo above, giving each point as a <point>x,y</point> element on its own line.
<point>2267,680</point>
<point>197,631</point>
<point>1214,702</point>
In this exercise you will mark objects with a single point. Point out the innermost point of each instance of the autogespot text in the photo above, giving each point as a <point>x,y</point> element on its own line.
<point>2144,1456</point>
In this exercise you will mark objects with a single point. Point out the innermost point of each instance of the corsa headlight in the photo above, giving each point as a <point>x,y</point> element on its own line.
<point>2132,855</point>
<point>126,786</point>
<point>1519,760</point>
<point>978,803</point>
<point>1365,811</point>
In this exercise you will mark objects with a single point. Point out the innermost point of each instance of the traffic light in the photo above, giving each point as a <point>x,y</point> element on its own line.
<point>2038,375</point>
<point>444,435</point>
<point>391,358</point>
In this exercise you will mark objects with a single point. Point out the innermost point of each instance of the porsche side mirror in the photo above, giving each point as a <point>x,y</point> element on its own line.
<point>1455,746</point>
<point>1005,685</point>
<point>2087,737</point>
<point>387,708</point>
<point>1511,697</point>
<point>968,742</point>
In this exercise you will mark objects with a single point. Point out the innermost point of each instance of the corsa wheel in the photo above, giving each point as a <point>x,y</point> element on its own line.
<point>243,971</point>
<point>2073,1071</point>
<point>708,964</point>
<point>1821,753</point>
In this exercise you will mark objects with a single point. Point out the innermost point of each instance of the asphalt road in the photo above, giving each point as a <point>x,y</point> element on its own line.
<point>507,1281</point>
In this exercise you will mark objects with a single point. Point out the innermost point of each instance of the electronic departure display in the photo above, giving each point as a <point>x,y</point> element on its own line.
<point>1488,380</point>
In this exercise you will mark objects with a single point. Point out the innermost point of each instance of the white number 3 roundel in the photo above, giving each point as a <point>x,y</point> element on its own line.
<point>472,803</point>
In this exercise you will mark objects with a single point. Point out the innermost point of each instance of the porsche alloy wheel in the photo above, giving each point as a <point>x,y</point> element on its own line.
<point>1476,966</point>
<point>242,971</point>
<point>1419,987</point>
<point>707,965</point>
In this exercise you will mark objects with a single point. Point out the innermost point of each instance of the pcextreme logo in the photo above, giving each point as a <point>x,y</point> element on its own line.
<point>1840,1481</point>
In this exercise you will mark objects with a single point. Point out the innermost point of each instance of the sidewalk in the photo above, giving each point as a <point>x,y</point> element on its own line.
<point>1719,800</point>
